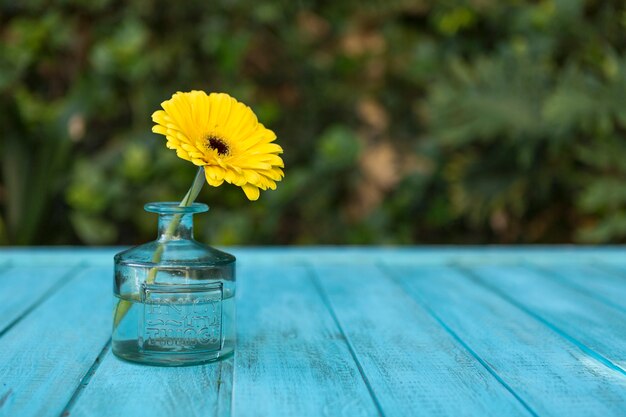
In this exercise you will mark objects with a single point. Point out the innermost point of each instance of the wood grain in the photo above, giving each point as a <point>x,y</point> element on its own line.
<point>576,314</point>
<point>125,389</point>
<point>605,283</point>
<point>345,255</point>
<point>291,359</point>
<point>515,331</point>
<point>24,287</point>
<point>412,364</point>
<point>553,376</point>
<point>44,357</point>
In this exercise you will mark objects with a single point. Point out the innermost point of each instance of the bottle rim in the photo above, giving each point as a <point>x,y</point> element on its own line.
<point>173,207</point>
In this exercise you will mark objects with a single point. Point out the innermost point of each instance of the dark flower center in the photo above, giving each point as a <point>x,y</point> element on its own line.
<point>218,144</point>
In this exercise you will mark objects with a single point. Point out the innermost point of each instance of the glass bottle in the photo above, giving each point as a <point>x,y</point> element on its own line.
<point>174,297</point>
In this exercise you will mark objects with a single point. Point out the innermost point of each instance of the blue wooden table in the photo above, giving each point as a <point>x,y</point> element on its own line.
<point>335,332</point>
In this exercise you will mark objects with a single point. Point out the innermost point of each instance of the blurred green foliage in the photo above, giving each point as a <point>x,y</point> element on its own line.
<point>451,121</point>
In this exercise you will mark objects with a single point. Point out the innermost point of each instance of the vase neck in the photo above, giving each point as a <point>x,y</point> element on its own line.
<point>175,221</point>
<point>175,226</point>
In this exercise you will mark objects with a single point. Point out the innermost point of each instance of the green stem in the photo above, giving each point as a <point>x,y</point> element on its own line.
<point>123,305</point>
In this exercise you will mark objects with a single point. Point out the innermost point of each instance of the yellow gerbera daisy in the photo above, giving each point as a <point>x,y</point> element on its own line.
<point>224,136</point>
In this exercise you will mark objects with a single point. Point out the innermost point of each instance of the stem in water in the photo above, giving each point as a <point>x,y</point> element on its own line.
<point>123,305</point>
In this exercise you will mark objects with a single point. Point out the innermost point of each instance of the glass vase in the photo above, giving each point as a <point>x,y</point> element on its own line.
<point>174,297</point>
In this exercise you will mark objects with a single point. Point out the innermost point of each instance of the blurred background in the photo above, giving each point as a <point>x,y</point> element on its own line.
<point>476,121</point>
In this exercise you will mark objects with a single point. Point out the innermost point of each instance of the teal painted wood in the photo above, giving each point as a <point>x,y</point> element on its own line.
<point>605,282</point>
<point>53,256</point>
<point>346,255</point>
<point>45,355</point>
<point>412,364</point>
<point>291,359</point>
<point>119,388</point>
<point>617,263</point>
<point>545,341</point>
<point>23,288</point>
<point>553,376</point>
<point>576,314</point>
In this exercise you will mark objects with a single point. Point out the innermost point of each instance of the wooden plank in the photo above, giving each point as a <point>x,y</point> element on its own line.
<point>44,356</point>
<point>412,364</point>
<point>343,255</point>
<point>291,359</point>
<point>615,263</point>
<point>605,283</point>
<point>574,313</point>
<point>553,376</point>
<point>24,287</point>
<point>120,388</point>
<point>52,256</point>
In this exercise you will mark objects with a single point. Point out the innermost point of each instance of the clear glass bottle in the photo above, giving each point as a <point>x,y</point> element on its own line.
<point>174,297</point>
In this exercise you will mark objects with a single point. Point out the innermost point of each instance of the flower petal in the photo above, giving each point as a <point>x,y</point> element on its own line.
<point>251,191</point>
<point>213,176</point>
<point>248,156</point>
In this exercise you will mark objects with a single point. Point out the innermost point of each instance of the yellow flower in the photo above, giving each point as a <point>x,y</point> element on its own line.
<point>222,135</point>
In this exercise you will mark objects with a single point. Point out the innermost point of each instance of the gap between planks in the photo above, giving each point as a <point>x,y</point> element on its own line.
<point>86,379</point>
<point>318,286</point>
<point>587,350</point>
<point>386,269</point>
<point>543,270</point>
<point>609,268</point>
<point>60,283</point>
